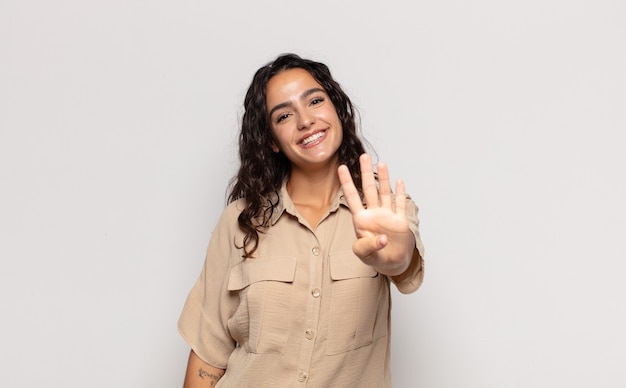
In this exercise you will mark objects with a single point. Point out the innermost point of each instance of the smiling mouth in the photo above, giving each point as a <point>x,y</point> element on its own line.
<point>313,138</point>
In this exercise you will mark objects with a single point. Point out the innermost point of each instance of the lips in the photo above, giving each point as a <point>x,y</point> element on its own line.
<point>313,139</point>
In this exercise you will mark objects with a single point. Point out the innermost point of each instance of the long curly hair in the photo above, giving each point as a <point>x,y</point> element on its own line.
<point>263,171</point>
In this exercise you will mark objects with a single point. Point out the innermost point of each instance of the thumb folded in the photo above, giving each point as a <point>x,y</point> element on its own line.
<point>366,248</point>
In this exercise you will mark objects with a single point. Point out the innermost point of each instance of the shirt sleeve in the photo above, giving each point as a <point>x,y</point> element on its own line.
<point>203,322</point>
<point>412,281</point>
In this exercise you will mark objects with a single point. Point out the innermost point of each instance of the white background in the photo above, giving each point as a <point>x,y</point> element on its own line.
<point>118,126</point>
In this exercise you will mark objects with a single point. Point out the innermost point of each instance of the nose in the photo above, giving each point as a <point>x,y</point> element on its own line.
<point>305,119</point>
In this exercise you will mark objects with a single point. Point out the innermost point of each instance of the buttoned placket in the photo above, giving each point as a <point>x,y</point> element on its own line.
<point>312,310</point>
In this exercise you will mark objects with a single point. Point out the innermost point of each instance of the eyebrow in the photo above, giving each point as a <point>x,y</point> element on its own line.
<point>304,95</point>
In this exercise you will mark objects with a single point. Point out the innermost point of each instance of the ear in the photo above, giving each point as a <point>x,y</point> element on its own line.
<point>275,148</point>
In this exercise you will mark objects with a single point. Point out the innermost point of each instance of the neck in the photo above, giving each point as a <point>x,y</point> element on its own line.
<point>313,188</point>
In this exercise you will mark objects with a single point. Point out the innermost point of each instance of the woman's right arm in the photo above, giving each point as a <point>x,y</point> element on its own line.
<point>200,374</point>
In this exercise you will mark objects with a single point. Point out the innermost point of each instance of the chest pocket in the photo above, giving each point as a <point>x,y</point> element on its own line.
<point>359,304</point>
<point>263,319</point>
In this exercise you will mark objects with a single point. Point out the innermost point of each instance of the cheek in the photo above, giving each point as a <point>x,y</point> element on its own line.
<point>280,137</point>
<point>331,115</point>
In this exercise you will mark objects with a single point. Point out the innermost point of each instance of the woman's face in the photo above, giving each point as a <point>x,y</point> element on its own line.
<point>304,121</point>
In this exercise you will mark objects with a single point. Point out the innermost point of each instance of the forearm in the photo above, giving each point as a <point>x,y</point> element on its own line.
<point>200,374</point>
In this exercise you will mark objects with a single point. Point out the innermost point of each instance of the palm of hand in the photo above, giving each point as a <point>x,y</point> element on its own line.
<point>384,239</point>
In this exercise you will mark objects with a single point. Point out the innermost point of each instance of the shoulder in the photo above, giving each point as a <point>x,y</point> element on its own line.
<point>234,208</point>
<point>230,214</point>
<point>226,236</point>
<point>411,207</point>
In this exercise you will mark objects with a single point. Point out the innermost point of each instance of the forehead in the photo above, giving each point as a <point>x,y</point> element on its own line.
<point>290,83</point>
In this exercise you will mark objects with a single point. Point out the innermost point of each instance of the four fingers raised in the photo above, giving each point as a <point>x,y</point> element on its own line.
<point>375,195</point>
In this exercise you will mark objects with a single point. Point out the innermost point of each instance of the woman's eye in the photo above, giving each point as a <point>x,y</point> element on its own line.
<point>317,100</point>
<point>281,117</point>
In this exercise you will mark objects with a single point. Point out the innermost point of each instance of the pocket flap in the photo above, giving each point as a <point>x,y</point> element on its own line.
<point>346,265</point>
<point>281,269</point>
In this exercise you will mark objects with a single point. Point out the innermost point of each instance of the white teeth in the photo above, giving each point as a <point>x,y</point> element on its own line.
<point>311,139</point>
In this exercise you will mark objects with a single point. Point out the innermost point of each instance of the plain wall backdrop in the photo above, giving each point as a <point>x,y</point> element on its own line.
<point>506,119</point>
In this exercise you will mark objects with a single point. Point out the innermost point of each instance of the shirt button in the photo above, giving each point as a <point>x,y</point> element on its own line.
<point>316,251</point>
<point>302,376</point>
<point>309,334</point>
<point>316,292</point>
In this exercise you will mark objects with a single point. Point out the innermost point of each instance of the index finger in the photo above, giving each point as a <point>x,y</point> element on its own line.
<point>349,190</point>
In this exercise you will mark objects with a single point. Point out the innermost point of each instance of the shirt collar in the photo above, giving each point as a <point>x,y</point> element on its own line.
<point>285,204</point>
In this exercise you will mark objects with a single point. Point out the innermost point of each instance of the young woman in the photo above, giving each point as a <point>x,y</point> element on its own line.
<point>294,291</point>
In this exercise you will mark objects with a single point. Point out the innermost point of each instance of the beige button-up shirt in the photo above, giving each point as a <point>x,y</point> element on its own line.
<point>304,312</point>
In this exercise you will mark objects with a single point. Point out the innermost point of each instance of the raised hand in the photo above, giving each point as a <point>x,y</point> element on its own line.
<point>384,239</point>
